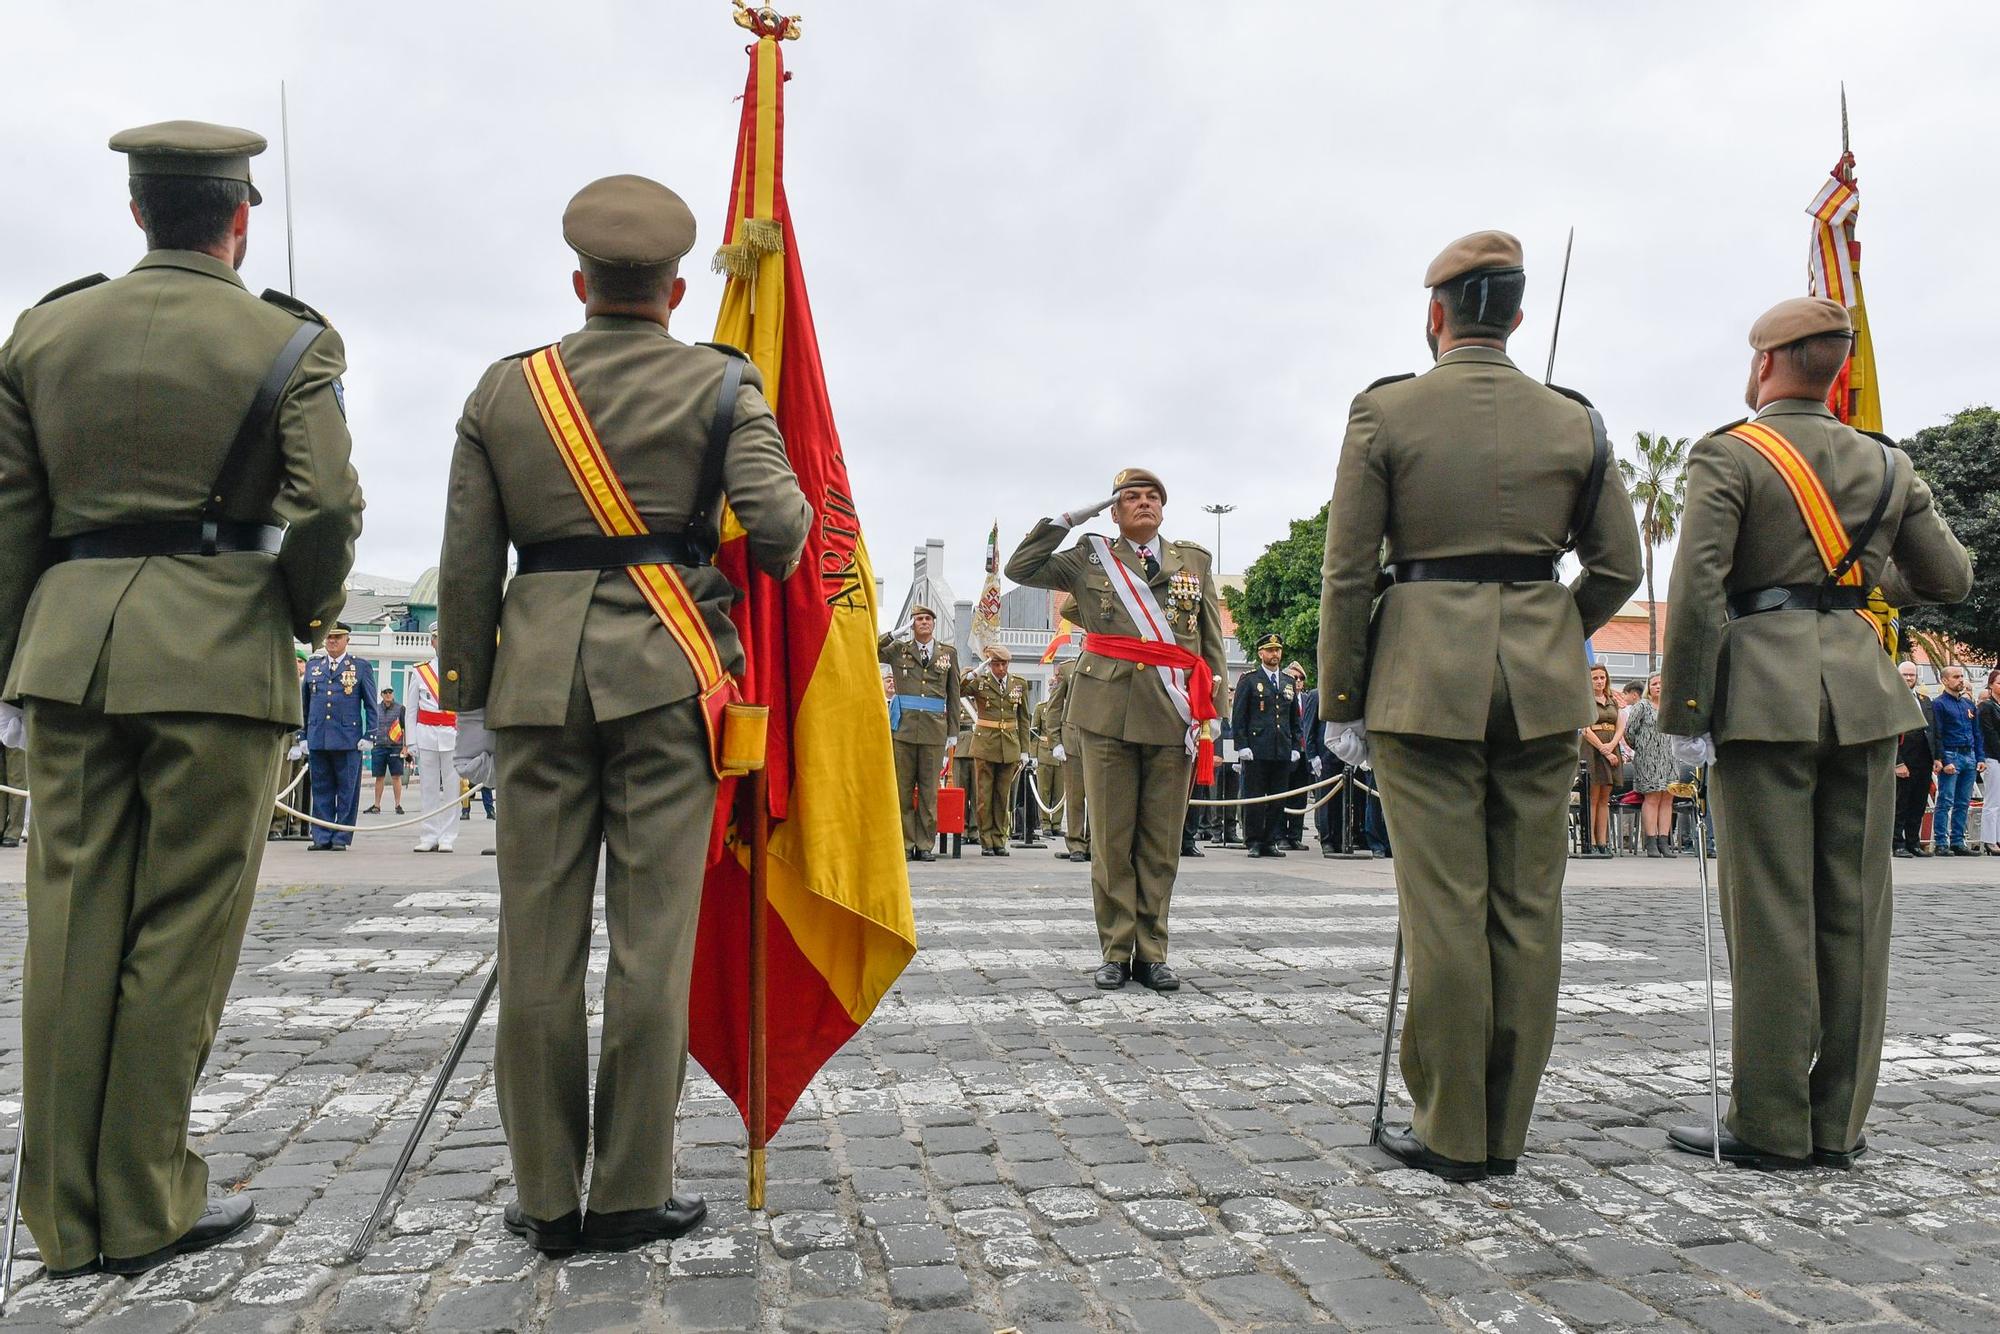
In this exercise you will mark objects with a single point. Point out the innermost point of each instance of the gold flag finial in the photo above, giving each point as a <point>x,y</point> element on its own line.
<point>766,21</point>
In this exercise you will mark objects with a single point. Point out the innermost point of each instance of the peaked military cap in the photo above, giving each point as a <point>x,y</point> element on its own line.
<point>1135,477</point>
<point>191,148</point>
<point>1272,640</point>
<point>628,220</point>
<point>1799,317</point>
<point>1481,252</point>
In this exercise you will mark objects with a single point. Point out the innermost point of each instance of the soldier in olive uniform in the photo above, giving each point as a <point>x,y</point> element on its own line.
<point>926,686</point>
<point>1047,736</point>
<point>1148,682</point>
<point>177,507</point>
<point>1468,684</point>
<point>1069,753</point>
<point>594,703</point>
<point>999,740</point>
<point>1804,778</point>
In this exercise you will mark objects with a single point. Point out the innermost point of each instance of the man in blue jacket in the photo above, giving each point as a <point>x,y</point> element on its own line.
<point>1956,743</point>
<point>338,695</point>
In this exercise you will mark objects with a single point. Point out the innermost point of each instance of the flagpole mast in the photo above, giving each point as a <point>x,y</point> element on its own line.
<point>1549,376</point>
<point>758,823</point>
<point>285,133</point>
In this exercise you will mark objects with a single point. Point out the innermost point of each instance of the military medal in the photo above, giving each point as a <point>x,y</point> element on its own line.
<point>347,680</point>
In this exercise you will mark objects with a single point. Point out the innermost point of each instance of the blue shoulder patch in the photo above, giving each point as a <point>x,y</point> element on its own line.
<point>340,397</point>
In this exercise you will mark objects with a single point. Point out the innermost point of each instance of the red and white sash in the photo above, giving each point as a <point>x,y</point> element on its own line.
<point>1137,598</point>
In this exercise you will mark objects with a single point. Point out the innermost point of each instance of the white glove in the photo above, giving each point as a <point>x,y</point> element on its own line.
<point>13,727</point>
<point>1071,518</point>
<point>1694,750</point>
<point>1028,763</point>
<point>1315,764</point>
<point>1295,757</point>
<point>1057,754</point>
<point>365,745</point>
<point>473,759</point>
<point>297,752</point>
<point>1348,741</point>
<point>1229,752</point>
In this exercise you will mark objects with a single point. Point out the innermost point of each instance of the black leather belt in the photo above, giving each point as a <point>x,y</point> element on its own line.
<point>1798,597</point>
<point>177,537</point>
<point>607,553</point>
<point>1475,570</point>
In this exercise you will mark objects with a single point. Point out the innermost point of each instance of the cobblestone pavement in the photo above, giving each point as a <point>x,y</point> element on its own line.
<point>1003,1146</point>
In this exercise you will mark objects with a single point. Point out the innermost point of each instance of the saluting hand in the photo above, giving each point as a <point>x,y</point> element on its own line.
<point>1071,518</point>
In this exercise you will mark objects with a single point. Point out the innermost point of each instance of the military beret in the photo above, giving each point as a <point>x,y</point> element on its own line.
<point>921,610</point>
<point>1479,252</point>
<point>1799,317</point>
<point>628,220</point>
<point>1272,640</point>
<point>1134,477</point>
<point>191,148</point>
<point>998,653</point>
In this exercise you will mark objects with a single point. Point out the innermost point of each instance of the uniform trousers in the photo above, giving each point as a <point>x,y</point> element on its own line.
<point>1138,801</point>
<point>993,800</point>
<point>638,787</point>
<point>917,768</point>
<point>149,830</point>
<point>437,787</point>
<point>1049,783</point>
<point>1076,804</point>
<point>1264,821</point>
<point>336,791</point>
<point>1912,796</point>
<point>1480,829</point>
<point>14,810</point>
<point>1807,917</point>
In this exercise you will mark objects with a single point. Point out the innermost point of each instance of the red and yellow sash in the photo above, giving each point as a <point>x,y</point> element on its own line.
<point>576,441</point>
<point>427,673</point>
<point>1816,507</point>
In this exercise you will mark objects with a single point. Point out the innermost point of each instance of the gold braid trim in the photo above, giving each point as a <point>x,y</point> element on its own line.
<point>755,238</point>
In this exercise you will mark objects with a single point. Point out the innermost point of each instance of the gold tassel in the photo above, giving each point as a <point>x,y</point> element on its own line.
<point>734,261</point>
<point>760,236</point>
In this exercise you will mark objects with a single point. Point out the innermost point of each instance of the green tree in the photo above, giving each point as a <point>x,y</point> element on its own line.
<point>1961,461</point>
<point>1281,592</point>
<point>1657,479</point>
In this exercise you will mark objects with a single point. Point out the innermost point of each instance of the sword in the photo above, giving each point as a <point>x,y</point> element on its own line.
<point>366,1234</point>
<point>285,134</point>
<point>13,1209</point>
<point>1388,1038</point>
<point>1554,334</point>
<point>1708,959</point>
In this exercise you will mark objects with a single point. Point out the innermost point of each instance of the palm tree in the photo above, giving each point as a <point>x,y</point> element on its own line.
<point>1658,483</point>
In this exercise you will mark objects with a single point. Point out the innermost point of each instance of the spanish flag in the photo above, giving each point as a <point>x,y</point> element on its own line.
<point>839,927</point>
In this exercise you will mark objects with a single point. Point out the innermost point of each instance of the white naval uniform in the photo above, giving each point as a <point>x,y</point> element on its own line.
<point>437,781</point>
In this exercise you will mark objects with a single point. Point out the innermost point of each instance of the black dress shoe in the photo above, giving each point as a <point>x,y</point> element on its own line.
<point>1111,975</point>
<point>1002,852</point>
<point>1272,850</point>
<point>554,1237</point>
<point>1502,1167</point>
<point>1700,1140</point>
<point>1190,850</point>
<point>1841,1158</point>
<point>1256,852</point>
<point>628,1229</point>
<point>218,1223</point>
<point>93,1266</point>
<point>1156,976</point>
<point>1292,845</point>
<point>926,855</point>
<point>1920,851</point>
<point>1960,850</point>
<point>1406,1148</point>
<point>1902,852</point>
<point>1079,856</point>
<point>985,851</point>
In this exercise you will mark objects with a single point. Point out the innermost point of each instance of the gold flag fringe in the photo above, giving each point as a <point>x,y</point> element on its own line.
<point>755,238</point>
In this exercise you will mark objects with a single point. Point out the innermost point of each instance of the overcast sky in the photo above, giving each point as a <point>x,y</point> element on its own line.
<point>1048,240</point>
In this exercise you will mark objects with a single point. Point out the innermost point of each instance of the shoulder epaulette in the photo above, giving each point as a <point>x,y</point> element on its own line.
<point>1389,379</point>
<point>726,350</point>
<point>77,286</point>
<point>525,352</point>
<point>291,305</point>
<point>1727,427</point>
<point>1572,394</point>
<point>1880,438</point>
<point>1192,546</point>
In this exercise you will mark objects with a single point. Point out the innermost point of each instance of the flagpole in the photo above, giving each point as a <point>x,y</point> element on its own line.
<point>285,132</point>
<point>758,824</point>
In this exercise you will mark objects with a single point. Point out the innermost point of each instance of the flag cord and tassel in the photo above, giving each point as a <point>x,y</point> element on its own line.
<point>756,819</point>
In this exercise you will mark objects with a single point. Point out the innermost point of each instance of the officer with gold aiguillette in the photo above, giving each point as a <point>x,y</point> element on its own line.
<point>1465,677</point>
<point>176,506</point>
<point>1145,691</point>
<point>1775,671</point>
<point>925,680</point>
<point>602,678</point>
<point>999,741</point>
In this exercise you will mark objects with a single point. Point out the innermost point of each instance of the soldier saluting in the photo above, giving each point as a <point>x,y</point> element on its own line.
<point>176,506</point>
<point>1467,685</point>
<point>921,713</point>
<point>1148,683</point>
<point>602,459</point>
<point>1791,518</point>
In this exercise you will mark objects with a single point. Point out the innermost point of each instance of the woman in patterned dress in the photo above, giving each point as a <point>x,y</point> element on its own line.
<point>1653,768</point>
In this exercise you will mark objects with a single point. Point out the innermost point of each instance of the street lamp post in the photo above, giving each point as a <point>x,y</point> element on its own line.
<point>1218,511</point>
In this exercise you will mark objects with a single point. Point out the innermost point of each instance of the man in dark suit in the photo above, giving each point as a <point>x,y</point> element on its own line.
<point>1916,762</point>
<point>1270,737</point>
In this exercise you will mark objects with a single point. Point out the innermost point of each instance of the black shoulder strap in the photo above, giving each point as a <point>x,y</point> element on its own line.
<point>1390,379</point>
<point>704,525</point>
<point>1859,542</point>
<point>1593,484</point>
<point>256,424</point>
<point>291,305</point>
<point>77,286</point>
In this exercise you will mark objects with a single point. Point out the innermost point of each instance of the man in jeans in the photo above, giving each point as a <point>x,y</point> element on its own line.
<point>1955,741</point>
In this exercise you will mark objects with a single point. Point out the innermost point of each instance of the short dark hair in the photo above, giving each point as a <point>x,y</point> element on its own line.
<point>624,284</point>
<point>1482,304</point>
<point>1818,359</point>
<point>186,212</point>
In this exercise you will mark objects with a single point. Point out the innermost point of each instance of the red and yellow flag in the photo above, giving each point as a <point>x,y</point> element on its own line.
<point>840,925</point>
<point>1834,272</point>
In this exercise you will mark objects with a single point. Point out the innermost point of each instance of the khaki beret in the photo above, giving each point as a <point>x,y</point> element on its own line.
<point>999,653</point>
<point>921,610</point>
<point>191,148</point>
<point>628,220</point>
<point>1272,640</point>
<point>1132,477</point>
<point>1799,317</point>
<point>1472,254</point>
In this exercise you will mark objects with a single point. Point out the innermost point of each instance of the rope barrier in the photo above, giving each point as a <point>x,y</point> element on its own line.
<point>1269,796</point>
<point>279,802</point>
<point>1331,793</point>
<point>1035,791</point>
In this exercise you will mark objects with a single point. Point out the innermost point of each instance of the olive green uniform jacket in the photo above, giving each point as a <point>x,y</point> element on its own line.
<point>939,679</point>
<point>1002,734</point>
